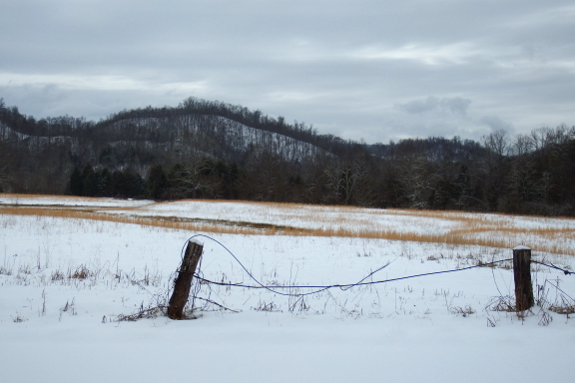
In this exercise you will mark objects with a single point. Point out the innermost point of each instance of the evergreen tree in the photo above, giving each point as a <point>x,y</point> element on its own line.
<point>76,186</point>
<point>157,182</point>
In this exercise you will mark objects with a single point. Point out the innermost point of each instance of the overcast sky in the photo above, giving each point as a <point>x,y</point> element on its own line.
<point>362,69</point>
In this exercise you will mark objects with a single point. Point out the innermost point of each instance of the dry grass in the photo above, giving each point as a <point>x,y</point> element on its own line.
<point>164,222</point>
<point>563,309</point>
<point>493,230</point>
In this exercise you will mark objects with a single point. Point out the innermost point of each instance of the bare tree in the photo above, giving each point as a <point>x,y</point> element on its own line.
<point>497,142</point>
<point>194,180</point>
<point>343,180</point>
<point>523,145</point>
<point>546,136</point>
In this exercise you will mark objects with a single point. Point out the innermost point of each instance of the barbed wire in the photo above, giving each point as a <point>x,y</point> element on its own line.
<point>320,288</point>
<point>317,288</point>
<point>552,266</point>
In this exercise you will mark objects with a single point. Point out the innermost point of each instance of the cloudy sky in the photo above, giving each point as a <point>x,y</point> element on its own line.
<point>362,69</point>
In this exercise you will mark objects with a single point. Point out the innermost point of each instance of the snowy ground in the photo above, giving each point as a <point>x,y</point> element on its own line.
<point>65,282</point>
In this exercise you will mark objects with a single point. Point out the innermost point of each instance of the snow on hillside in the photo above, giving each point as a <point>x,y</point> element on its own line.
<point>226,132</point>
<point>65,282</point>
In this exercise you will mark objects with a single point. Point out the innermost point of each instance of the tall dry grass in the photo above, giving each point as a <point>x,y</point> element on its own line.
<point>493,230</point>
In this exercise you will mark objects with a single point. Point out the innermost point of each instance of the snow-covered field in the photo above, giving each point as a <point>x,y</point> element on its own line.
<point>65,282</point>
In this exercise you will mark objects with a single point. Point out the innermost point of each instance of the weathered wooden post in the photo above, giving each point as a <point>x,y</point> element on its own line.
<point>184,280</point>
<point>522,275</point>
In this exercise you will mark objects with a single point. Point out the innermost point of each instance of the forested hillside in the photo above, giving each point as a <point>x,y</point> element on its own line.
<point>204,149</point>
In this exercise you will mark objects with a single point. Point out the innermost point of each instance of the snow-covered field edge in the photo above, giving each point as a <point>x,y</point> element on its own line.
<point>65,283</point>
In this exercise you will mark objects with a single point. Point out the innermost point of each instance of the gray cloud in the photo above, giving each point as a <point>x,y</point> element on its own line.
<point>495,123</point>
<point>366,69</point>
<point>455,105</point>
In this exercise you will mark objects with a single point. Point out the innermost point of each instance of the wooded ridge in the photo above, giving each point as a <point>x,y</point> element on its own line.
<point>207,149</point>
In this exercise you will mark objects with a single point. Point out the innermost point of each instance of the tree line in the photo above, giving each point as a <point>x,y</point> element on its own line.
<point>213,150</point>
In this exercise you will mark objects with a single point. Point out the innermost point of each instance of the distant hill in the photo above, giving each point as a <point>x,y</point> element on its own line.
<point>210,149</point>
<point>197,133</point>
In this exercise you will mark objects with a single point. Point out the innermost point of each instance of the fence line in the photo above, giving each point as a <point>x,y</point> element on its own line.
<point>320,288</point>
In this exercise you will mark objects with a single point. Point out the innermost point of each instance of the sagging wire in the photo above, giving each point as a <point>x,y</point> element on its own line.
<point>261,285</point>
<point>344,287</point>
<point>320,288</point>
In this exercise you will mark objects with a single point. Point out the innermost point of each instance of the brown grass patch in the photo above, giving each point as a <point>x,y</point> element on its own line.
<point>492,230</point>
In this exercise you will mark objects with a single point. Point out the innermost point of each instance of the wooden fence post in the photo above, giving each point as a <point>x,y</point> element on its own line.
<point>184,280</point>
<point>522,275</point>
